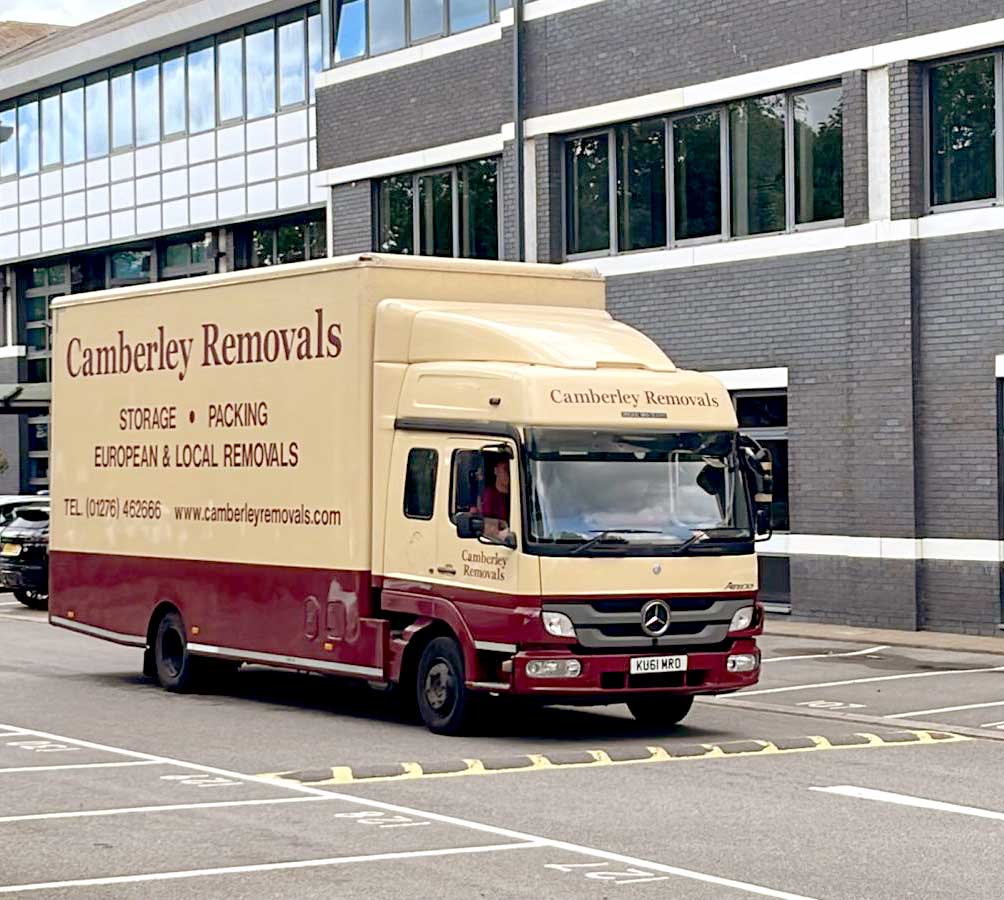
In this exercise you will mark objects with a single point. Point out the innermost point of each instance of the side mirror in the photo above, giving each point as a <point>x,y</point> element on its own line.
<point>470,526</point>
<point>760,470</point>
<point>764,526</point>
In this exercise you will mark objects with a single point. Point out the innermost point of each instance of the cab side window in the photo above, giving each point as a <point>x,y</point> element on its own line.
<point>468,482</point>
<point>420,483</point>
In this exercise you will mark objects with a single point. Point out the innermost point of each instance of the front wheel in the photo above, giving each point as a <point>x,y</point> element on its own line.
<point>32,599</point>
<point>444,702</point>
<point>664,710</point>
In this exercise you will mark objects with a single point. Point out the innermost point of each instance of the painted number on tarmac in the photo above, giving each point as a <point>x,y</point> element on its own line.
<point>831,704</point>
<point>379,819</point>
<point>41,746</point>
<point>601,872</point>
<point>199,780</point>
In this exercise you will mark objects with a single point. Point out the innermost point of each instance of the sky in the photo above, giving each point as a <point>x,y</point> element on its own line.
<point>59,12</point>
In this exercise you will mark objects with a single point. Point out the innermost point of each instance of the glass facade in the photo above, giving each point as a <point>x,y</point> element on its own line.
<point>963,131</point>
<point>247,72</point>
<point>669,176</point>
<point>287,240</point>
<point>372,27</point>
<point>446,212</point>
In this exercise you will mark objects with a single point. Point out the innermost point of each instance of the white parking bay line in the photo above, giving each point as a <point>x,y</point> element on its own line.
<point>860,793</point>
<point>518,836</point>
<point>263,867</point>
<point>864,652</point>
<point>829,684</point>
<point>168,807</point>
<point>11,603</point>
<point>944,709</point>
<point>104,765</point>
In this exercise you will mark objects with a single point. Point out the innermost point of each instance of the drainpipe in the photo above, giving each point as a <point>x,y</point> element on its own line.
<point>517,100</point>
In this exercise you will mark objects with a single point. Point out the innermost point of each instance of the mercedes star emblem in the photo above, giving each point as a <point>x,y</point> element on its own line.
<point>655,618</point>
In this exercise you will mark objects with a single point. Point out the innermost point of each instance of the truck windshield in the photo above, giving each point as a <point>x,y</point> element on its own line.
<point>621,492</point>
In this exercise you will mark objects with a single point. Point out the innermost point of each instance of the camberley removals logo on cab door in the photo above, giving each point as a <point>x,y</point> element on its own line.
<point>634,399</point>
<point>161,352</point>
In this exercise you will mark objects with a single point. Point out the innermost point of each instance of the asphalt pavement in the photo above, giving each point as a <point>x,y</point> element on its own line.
<point>853,770</point>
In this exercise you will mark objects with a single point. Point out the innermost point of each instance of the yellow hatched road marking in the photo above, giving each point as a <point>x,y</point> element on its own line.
<point>538,762</point>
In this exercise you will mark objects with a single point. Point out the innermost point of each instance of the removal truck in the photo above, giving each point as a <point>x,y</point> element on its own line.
<point>461,478</point>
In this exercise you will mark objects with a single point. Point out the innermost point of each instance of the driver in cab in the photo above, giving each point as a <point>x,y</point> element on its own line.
<point>493,504</point>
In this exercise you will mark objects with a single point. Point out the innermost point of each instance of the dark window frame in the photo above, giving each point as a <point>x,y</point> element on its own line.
<point>777,434</point>
<point>929,206</point>
<point>725,175</point>
<point>456,237</point>
<point>435,478</point>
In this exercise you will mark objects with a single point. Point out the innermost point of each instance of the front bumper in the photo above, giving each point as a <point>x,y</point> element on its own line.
<point>606,677</point>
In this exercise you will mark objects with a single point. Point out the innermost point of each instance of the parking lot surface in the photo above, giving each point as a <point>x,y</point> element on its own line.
<point>850,771</point>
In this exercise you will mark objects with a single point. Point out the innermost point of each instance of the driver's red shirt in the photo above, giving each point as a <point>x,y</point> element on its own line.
<point>494,504</point>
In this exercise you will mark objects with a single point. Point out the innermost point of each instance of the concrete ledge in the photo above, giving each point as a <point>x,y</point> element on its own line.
<point>933,640</point>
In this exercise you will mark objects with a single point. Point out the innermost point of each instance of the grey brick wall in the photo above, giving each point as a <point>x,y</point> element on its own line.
<point>963,597</point>
<point>906,131</point>
<point>549,239</point>
<point>871,593</point>
<point>855,87</point>
<point>635,46</point>
<point>352,217</point>
<point>849,360</point>
<point>510,238</point>
<point>449,98</point>
<point>960,329</point>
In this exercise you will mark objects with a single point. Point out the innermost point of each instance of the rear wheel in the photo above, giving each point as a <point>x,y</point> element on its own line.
<point>664,710</point>
<point>174,665</point>
<point>445,704</point>
<point>32,599</point>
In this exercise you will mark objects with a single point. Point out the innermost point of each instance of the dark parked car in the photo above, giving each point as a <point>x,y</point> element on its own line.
<point>24,555</point>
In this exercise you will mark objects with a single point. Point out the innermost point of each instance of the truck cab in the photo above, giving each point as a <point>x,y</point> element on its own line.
<point>567,515</point>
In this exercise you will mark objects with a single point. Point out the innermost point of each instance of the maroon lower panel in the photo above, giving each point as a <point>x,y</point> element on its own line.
<point>263,608</point>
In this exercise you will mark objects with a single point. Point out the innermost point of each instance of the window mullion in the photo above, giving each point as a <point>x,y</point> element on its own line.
<point>789,162</point>
<point>725,151</point>
<point>999,127</point>
<point>416,231</point>
<point>670,157</point>
<point>612,187</point>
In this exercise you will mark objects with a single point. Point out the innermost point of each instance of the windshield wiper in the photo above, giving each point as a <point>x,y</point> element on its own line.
<point>695,538</point>
<point>610,536</point>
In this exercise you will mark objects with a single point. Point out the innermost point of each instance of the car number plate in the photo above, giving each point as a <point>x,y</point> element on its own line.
<point>655,665</point>
<point>10,550</point>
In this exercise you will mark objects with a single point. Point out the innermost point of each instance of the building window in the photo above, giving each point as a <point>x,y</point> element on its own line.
<point>292,62</point>
<point>73,124</point>
<point>38,451</point>
<point>587,194</point>
<point>259,71</point>
<point>230,68</point>
<point>778,158</point>
<point>51,154</point>
<point>27,137</point>
<point>763,415</point>
<point>282,241</point>
<point>43,284</point>
<point>201,88</point>
<point>122,127</point>
<point>146,82</point>
<point>446,212</point>
<point>96,109</point>
<point>186,257</point>
<point>372,27</point>
<point>8,148</point>
<point>130,266</point>
<point>963,107</point>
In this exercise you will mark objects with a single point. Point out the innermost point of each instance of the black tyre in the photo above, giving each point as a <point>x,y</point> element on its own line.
<point>664,710</point>
<point>444,703</point>
<point>32,599</point>
<point>175,666</point>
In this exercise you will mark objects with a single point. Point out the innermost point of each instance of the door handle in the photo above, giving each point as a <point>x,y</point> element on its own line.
<point>446,570</point>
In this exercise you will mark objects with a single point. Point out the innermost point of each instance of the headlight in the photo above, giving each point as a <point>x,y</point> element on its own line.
<point>742,662</point>
<point>742,619</point>
<point>554,668</point>
<point>558,624</point>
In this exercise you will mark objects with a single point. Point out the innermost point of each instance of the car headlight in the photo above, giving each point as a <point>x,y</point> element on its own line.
<point>742,619</point>
<point>554,668</point>
<point>742,662</point>
<point>558,624</point>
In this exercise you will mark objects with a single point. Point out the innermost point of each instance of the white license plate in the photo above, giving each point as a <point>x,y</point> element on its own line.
<point>656,665</point>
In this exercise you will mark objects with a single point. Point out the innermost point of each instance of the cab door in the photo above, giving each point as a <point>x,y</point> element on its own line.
<point>479,571</point>
<point>415,501</point>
